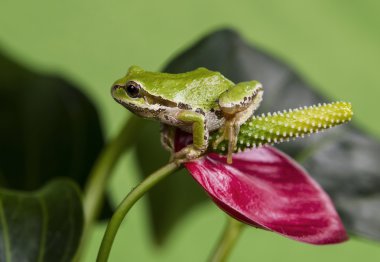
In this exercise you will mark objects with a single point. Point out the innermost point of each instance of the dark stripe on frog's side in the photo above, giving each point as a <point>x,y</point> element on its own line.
<point>151,99</point>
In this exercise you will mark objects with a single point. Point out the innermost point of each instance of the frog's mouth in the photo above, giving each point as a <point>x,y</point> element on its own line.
<point>144,110</point>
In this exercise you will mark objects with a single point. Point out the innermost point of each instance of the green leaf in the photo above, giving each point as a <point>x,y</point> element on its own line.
<point>45,225</point>
<point>344,160</point>
<point>48,129</point>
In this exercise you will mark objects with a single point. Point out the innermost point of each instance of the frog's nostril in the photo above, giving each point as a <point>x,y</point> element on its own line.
<point>115,87</point>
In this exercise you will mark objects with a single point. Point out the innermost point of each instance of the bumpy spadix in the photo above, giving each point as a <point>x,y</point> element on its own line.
<point>272,128</point>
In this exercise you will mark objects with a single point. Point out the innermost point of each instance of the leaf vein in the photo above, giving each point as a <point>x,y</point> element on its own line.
<point>43,229</point>
<point>7,244</point>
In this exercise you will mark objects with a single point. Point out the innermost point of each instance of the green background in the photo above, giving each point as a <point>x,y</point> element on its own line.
<point>334,44</point>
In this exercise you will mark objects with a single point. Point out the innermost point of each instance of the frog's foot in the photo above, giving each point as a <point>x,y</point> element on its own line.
<point>187,154</point>
<point>238,104</point>
<point>230,131</point>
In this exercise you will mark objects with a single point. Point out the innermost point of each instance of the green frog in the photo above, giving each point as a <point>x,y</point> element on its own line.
<point>197,102</point>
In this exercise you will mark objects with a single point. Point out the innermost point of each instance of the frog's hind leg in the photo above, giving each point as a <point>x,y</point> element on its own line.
<point>237,104</point>
<point>167,138</point>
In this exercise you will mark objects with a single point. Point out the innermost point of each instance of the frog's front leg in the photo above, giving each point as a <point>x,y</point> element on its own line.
<point>237,104</point>
<point>200,136</point>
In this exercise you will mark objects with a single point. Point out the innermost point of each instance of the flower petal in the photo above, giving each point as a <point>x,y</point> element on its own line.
<point>265,188</point>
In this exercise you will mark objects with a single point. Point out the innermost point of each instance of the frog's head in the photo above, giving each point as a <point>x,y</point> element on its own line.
<point>131,92</point>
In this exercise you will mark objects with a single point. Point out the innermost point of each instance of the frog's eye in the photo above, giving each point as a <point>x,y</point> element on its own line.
<point>133,89</point>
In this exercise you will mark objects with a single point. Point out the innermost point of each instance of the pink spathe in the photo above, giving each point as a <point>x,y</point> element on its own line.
<point>267,189</point>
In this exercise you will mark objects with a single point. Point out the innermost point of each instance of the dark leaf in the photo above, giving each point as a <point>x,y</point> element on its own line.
<point>45,225</point>
<point>344,160</point>
<point>48,129</point>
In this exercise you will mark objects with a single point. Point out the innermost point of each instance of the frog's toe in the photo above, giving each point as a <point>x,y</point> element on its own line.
<point>232,141</point>
<point>220,138</point>
<point>229,132</point>
<point>188,153</point>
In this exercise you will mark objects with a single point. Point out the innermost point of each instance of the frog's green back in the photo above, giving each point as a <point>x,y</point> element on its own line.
<point>199,88</point>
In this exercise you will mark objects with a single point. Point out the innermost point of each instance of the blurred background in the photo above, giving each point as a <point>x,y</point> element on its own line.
<point>335,45</point>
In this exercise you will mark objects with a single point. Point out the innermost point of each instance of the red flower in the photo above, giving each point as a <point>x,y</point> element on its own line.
<point>267,189</point>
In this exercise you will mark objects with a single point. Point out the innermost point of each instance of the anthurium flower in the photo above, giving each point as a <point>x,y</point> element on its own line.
<point>265,188</point>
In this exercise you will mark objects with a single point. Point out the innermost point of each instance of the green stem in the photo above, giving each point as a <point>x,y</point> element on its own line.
<point>231,233</point>
<point>125,206</point>
<point>97,182</point>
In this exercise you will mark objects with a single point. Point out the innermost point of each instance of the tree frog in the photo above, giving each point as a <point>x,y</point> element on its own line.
<point>198,102</point>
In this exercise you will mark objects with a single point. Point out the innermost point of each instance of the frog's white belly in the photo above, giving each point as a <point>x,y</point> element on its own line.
<point>214,120</point>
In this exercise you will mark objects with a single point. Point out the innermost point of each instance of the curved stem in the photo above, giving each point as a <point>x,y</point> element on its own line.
<point>231,233</point>
<point>95,187</point>
<point>125,206</point>
<point>97,181</point>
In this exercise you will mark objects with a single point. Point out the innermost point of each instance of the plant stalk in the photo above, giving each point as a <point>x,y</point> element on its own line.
<point>95,188</point>
<point>231,233</point>
<point>126,205</point>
